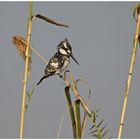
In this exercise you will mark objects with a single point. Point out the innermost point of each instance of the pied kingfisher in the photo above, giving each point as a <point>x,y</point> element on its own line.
<point>59,61</point>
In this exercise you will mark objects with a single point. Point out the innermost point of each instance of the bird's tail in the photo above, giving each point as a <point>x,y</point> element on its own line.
<point>45,76</point>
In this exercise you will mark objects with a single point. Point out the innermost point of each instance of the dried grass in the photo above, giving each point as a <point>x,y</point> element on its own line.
<point>21,45</point>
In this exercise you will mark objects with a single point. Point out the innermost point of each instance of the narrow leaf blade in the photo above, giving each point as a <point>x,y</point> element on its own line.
<point>100,123</point>
<point>78,118</point>
<point>71,111</point>
<point>45,18</point>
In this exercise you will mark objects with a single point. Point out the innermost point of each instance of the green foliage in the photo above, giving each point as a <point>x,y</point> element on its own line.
<point>98,129</point>
<point>78,119</point>
<point>71,111</point>
<point>29,96</point>
<point>75,115</point>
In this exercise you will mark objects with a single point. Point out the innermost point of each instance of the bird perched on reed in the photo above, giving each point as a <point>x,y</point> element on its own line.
<point>59,61</point>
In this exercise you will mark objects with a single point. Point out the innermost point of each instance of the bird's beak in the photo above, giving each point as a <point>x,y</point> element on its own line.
<point>73,58</point>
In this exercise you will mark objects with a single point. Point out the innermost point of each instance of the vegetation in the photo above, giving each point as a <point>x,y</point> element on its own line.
<point>132,62</point>
<point>78,120</point>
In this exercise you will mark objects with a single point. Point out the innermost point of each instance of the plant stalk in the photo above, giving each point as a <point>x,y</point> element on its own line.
<point>71,111</point>
<point>78,119</point>
<point>129,77</point>
<point>38,55</point>
<point>84,120</point>
<point>74,89</point>
<point>26,71</point>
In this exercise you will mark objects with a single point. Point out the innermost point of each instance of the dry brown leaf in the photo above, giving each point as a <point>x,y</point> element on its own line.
<point>45,18</point>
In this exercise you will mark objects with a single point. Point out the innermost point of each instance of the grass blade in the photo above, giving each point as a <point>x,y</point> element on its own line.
<point>100,123</point>
<point>60,126</point>
<point>78,118</point>
<point>71,111</point>
<point>29,96</point>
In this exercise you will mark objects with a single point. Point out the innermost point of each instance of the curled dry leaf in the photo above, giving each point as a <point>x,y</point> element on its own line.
<point>45,18</point>
<point>21,45</point>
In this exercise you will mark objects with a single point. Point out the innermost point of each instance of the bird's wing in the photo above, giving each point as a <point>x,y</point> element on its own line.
<point>54,64</point>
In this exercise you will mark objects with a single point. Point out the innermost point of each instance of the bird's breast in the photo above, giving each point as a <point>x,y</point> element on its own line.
<point>65,65</point>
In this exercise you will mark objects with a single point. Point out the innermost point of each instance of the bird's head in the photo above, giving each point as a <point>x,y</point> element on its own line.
<point>64,48</point>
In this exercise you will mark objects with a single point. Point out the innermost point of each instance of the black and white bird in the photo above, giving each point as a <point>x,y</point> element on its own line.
<point>59,61</point>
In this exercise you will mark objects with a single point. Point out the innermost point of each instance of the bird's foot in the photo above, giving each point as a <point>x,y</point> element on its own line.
<point>61,76</point>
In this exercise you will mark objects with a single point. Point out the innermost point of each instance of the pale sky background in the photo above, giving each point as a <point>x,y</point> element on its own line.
<point>101,35</point>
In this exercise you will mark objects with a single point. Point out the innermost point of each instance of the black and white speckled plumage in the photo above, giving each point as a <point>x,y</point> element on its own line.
<point>59,61</point>
<point>57,64</point>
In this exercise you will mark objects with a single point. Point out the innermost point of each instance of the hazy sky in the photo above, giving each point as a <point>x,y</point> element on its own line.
<point>101,35</point>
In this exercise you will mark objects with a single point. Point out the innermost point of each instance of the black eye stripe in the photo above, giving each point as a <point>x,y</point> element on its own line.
<point>65,47</point>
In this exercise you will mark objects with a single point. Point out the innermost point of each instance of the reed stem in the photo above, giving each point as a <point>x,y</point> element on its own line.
<point>26,71</point>
<point>129,77</point>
